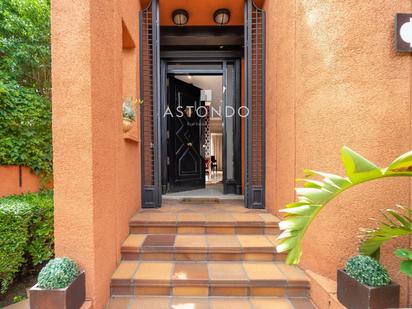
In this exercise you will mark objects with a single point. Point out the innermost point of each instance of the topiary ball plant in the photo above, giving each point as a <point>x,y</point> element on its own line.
<point>57,274</point>
<point>366,270</point>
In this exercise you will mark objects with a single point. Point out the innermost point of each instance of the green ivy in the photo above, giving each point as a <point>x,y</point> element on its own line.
<point>26,233</point>
<point>25,105</point>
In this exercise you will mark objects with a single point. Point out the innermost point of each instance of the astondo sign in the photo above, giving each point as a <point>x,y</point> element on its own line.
<point>403,32</point>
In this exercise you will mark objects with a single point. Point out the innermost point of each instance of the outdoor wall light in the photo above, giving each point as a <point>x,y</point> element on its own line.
<point>222,17</point>
<point>180,17</point>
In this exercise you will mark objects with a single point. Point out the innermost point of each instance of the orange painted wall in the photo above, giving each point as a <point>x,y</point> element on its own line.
<point>96,170</point>
<point>9,181</point>
<point>334,79</point>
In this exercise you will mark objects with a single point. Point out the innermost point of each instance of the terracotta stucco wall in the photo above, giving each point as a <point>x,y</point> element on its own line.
<point>10,180</point>
<point>97,171</point>
<point>334,79</point>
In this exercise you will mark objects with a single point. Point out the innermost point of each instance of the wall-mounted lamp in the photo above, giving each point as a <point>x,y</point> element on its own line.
<point>180,17</point>
<point>221,17</point>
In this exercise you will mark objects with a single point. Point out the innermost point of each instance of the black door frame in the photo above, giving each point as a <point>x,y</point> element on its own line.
<point>196,57</point>
<point>254,44</point>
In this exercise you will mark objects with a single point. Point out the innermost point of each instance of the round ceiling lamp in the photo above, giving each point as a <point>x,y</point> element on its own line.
<point>180,17</point>
<point>222,17</point>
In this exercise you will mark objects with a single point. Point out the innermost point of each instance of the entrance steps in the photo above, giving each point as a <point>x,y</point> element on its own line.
<point>206,253</point>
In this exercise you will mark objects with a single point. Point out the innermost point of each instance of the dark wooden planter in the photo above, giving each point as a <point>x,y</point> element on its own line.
<point>355,295</point>
<point>71,297</point>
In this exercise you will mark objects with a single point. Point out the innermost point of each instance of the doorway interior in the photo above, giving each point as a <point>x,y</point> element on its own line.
<point>201,126</point>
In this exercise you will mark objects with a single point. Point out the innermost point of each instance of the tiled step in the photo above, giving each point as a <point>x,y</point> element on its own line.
<point>201,248</point>
<point>156,222</point>
<point>209,279</point>
<point>162,302</point>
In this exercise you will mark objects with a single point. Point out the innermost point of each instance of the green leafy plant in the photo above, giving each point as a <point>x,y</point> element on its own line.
<point>26,233</point>
<point>396,223</point>
<point>316,193</point>
<point>367,270</point>
<point>14,235</point>
<point>128,109</point>
<point>18,298</point>
<point>406,263</point>
<point>25,75</point>
<point>58,274</point>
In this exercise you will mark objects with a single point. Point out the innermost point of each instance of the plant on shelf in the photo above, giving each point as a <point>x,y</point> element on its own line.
<point>396,223</point>
<point>129,114</point>
<point>316,193</point>
<point>61,283</point>
<point>365,283</point>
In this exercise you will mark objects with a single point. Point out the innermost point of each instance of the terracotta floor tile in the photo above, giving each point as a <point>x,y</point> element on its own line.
<point>248,218</point>
<point>273,239</point>
<point>269,218</point>
<point>133,241</point>
<point>125,270</point>
<point>190,272</point>
<point>154,271</point>
<point>301,303</point>
<point>150,302</point>
<point>263,271</point>
<point>189,303</point>
<point>293,273</point>
<point>223,242</point>
<point>255,241</point>
<point>190,241</point>
<point>119,303</point>
<point>191,217</point>
<point>219,217</point>
<point>227,272</point>
<point>148,217</point>
<point>159,241</point>
<point>271,304</point>
<point>231,303</point>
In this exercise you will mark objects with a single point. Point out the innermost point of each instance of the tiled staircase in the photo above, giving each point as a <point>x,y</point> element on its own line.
<point>217,255</point>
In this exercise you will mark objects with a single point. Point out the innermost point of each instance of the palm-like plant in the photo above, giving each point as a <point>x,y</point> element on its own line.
<point>396,223</point>
<point>316,193</point>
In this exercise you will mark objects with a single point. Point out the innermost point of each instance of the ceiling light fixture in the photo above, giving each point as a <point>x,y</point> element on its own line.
<point>221,17</point>
<point>180,17</point>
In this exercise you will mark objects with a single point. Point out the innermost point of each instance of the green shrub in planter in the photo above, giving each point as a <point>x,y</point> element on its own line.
<point>367,270</point>
<point>14,222</point>
<point>57,274</point>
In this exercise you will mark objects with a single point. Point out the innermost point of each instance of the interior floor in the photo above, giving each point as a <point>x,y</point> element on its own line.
<point>211,190</point>
<point>214,178</point>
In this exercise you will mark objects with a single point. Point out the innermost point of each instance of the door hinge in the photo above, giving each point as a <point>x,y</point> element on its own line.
<point>167,161</point>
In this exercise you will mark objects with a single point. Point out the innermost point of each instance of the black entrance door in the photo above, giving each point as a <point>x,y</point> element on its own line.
<point>185,153</point>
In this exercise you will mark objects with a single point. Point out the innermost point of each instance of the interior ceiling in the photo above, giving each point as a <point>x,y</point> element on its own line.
<point>201,11</point>
<point>213,82</point>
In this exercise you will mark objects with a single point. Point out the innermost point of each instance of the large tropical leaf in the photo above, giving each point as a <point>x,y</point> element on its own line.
<point>396,223</point>
<point>320,188</point>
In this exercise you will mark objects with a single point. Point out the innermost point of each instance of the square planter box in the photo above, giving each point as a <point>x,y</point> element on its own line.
<point>71,297</point>
<point>355,295</point>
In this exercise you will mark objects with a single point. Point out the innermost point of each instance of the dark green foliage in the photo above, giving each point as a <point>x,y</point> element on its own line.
<point>25,127</point>
<point>26,233</point>
<point>367,270</point>
<point>25,107</point>
<point>25,43</point>
<point>57,274</point>
<point>14,222</point>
